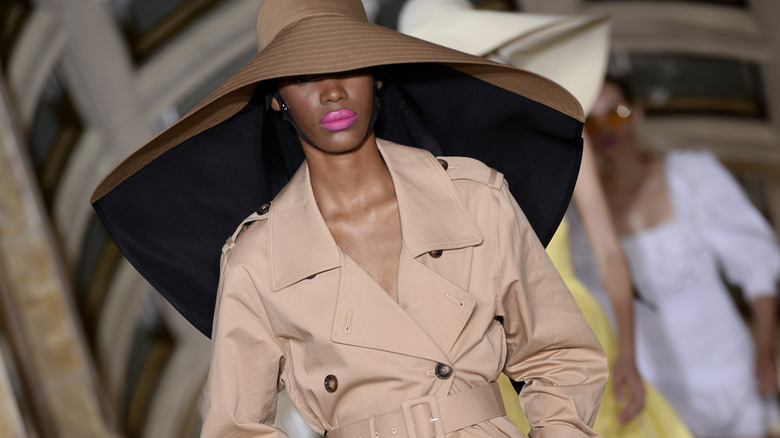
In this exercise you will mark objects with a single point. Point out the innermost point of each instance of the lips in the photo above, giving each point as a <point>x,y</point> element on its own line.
<point>608,141</point>
<point>338,120</point>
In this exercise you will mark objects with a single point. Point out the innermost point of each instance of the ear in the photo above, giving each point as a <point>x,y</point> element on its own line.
<point>379,83</point>
<point>275,104</point>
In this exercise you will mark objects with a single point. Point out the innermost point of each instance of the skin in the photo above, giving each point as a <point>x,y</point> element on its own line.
<point>350,180</point>
<point>613,268</point>
<point>635,185</point>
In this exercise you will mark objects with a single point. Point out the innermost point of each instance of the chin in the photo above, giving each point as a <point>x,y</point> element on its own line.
<point>336,148</point>
<point>341,142</point>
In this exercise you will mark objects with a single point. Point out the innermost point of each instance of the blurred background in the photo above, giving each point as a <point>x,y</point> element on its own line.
<point>87,347</point>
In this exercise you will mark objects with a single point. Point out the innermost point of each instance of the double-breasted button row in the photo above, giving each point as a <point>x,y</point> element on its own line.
<point>442,371</point>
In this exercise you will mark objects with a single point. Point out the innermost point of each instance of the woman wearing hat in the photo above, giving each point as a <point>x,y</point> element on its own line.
<point>385,289</point>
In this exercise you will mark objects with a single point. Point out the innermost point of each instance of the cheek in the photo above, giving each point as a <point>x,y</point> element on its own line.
<point>297,97</point>
<point>362,89</point>
<point>301,111</point>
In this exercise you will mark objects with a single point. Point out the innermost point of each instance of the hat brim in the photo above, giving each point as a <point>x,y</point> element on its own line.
<point>302,49</point>
<point>570,50</point>
<point>171,205</point>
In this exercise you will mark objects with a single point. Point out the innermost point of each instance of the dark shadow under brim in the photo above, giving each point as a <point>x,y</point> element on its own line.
<point>172,217</point>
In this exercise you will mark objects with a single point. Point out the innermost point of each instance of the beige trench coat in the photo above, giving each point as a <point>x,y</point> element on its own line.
<point>293,309</point>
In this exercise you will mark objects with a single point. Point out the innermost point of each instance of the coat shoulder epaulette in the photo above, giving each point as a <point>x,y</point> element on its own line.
<point>260,215</point>
<point>471,169</point>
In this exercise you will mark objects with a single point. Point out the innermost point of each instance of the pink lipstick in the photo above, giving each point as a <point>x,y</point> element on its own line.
<point>338,120</point>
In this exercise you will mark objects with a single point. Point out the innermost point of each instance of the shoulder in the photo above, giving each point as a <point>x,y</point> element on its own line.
<point>471,170</point>
<point>458,169</point>
<point>254,224</point>
<point>691,162</point>
<point>478,185</point>
<point>698,170</point>
<point>481,188</point>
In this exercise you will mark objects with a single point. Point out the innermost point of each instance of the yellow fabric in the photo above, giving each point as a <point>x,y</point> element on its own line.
<point>657,419</point>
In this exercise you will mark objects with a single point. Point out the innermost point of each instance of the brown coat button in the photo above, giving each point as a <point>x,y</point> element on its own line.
<point>264,209</point>
<point>331,383</point>
<point>444,164</point>
<point>436,253</point>
<point>443,371</point>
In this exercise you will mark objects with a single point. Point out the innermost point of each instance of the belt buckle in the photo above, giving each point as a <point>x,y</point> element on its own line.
<point>435,419</point>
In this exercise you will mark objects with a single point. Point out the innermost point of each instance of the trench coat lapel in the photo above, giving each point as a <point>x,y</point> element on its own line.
<point>433,217</point>
<point>440,307</point>
<point>299,241</point>
<point>366,316</point>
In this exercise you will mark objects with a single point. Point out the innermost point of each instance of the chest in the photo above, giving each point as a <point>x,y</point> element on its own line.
<point>373,240</point>
<point>642,205</point>
<point>341,323</point>
<point>435,298</point>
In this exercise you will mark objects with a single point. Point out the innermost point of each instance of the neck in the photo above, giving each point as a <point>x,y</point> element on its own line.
<point>349,181</point>
<point>624,168</point>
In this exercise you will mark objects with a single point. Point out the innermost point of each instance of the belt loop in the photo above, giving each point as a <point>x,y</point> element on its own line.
<point>372,427</point>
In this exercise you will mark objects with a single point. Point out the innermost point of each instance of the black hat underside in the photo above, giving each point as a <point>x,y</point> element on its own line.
<point>171,218</point>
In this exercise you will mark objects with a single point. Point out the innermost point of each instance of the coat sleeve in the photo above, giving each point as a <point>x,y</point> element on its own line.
<point>243,382</point>
<point>550,347</point>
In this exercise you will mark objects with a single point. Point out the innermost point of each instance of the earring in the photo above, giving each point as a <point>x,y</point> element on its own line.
<point>282,105</point>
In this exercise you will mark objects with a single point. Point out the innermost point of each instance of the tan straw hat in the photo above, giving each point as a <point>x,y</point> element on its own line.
<point>291,42</point>
<point>170,205</point>
<point>571,50</point>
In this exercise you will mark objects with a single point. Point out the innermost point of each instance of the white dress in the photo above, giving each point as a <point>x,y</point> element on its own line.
<point>691,342</point>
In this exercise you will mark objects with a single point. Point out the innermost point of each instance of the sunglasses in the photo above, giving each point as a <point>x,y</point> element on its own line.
<point>616,118</point>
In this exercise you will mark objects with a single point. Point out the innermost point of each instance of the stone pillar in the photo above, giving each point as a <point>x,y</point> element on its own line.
<point>11,423</point>
<point>56,370</point>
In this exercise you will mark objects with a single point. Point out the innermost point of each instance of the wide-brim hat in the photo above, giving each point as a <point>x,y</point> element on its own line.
<point>171,205</point>
<point>570,50</point>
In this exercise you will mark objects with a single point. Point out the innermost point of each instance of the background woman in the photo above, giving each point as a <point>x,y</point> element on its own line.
<point>681,218</point>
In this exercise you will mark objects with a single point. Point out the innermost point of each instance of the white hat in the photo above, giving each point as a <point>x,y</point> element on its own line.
<point>570,50</point>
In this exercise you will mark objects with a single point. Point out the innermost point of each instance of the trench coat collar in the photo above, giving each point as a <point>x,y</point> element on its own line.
<point>433,217</point>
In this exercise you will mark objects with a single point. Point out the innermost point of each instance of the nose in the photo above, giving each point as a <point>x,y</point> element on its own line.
<point>333,90</point>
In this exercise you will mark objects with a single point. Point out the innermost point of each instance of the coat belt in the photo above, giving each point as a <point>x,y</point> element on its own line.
<point>429,417</point>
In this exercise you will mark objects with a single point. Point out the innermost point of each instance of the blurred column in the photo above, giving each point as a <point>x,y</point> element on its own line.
<point>102,79</point>
<point>96,63</point>
<point>767,13</point>
<point>54,366</point>
<point>11,424</point>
